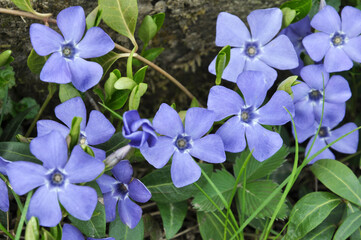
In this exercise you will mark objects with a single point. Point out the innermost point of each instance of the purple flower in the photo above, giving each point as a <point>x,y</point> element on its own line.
<point>308,96</point>
<point>120,190</point>
<point>56,180</point>
<point>247,116</point>
<point>337,39</point>
<point>296,32</point>
<point>254,51</point>
<point>97,130</point>
<point>72,233</point>
<point>4,198</point>
<point>66,64</point>
<point>138,131</point>
<point>183,143</point>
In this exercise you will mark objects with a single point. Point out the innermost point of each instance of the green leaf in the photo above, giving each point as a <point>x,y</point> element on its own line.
<point>99,93</point>
<point>222,61</point>
<point>224,181</point>
<point>352,208</point>
<point>210,227</point>
<point>302,8</point>
<point>67,91</point>
<point>152,227</point>
<point>194,103</point>
<point>36,62</point>
<point>339,179</point>
<point>120,15</point>
<point>136,94</point>
<point>309,212</point>
<point>173,215</point>
<point>26,103</point>
<point>46,235</point>
<point>288,16</point>
<point>118,100</point>
<point>120,231</point>
<point>140,74</point>
<point>109,84</point>
<point>107,60</point>
<point>56,232</point>
<point>115,142</point>
<point>124,83</point>
<point>286,85</point>
<point>147,29</point>
<point>323,231</point>
<point>96,226</point>
<point>159,20</point>
<point>94,17</point>
<point>316,5</point>
<point>74,132</point>
<point>349,226</point>
<point>24,5</point>
<point>16,151</point>
<point>5,58</point>
<point>12,128</point>
<point>32,229</point>
<point>160,184</point>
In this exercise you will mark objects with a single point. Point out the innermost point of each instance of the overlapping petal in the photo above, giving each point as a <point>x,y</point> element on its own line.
<point>184,169</point>
<point>105,183</point>
<point>74,107</point>
<point>198,121</point>
<point>46,126</point>
<point>315,76</point>
<point>349,143</point>
<point>303,134</point>
<point>167,121</point>
<point>304,115</point>
<point>71,22</point>
<point>337,90</point>
<point>232,134</point>
<point>258,65</point>
<point>71,233</point>
<point>56,70</point>
<point>85,74</point>
<point>209,148</point>
<point>138,191</point>
<point>353,48</point>
<point>333,113</point>
<point>300,91</point>
<point>317,44</point>
<point>95,43</point>
<point>327,20</point>
<point>336,60</point>
<point>44,39</point>
<point>318,145</point>
<point>98,129</point>
<point>253,85</point>
<point>160,153</point>
<point>123,171</point>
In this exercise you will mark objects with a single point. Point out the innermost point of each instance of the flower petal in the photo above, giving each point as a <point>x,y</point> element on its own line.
<point>198,121</point>
<point>264,142</point>
<point>51,149</point>
<point>74,107</point>
<point>85,74</point>
<point>327,20</point>
<point>138,191</point>
<point>98,153</point>
<point>300,91</point>
<point>71,22</point>
<point>95,43</point>
<point>46,126</point>
<point>4,197</point>
<point>337,90</point>
<point>99,129</point>
<point>317,45</point>
<point>167,121</point>
<point>253,85</point>
<point>123,171</point>
<point>333,113</point>
<point>45,206</point>
<point>44,39</point>
<point>318,145</point>
<point>304,116</point>
<point>258,65</point>
<point>160,153</point>
<point>336,60</point>
<point>71,232</point>
<point>82,167</point>
<point>303,134</point>
<point>351,21</point>
<point>3,164</point>
<point>280,54</point>
<point>315,76</point>
<point>209,148</point>
<point>105,183</point>
<point>110,205</point>
<point>265,24</point>
<point>56,70</point>
<point>184,169</point>
<point>347,144</point>
<point>231,31</point>
<point>79,201</point>
<point>129,212</point>
<point>274,112</point>
<point>232,135</point>
<point>353,48</point>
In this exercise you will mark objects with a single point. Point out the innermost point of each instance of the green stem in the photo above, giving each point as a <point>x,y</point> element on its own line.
<point>17,198</point>
<point>4,104</point>
<point>243,207</point>
<point>111,111</point>
<point>2,228</point>
<point>23,216</point>
<point>284,227</point>
<point>350,156</point>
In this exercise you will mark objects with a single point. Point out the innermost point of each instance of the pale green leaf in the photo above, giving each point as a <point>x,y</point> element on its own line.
<point>67,91</point>
<point>120,231</point>
<point>173,215</point>
<point>36,62</point>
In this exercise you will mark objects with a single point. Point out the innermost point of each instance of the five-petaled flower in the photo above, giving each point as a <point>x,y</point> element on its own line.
<point>66,64</point>
<point>72,233</point>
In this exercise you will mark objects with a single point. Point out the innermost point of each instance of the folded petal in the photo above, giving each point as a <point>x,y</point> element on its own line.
<point>304,116</point>
<point>79,201</point>
<point>265,24</point>
<point>265,143</point>
<point>347,144</point>
<point>336,60</point>
<point>300,91</point>
<point>258,65</point>
<point>82,167</point>
<point>138,191</point>
<point>123,171</point>
<point>303,134</point>
<point>4,197</point>
<point>209,148</point>
<point>327,20</point>
<point>198,121</point>
<point>71,233</point>
<point>44,39</point>
<point>110,205</point>
<point>71,22</point>
<point>232,135</point>
<point>184,169</point>
<point>318,145</point>
<point>74,107</point>
<point>351,21</point>
<point>99,129</point>
<point>160,153</point>
<point>337,90</point>
<point>129,212</point>
<point>56,70</point>
<point>106,183</point>
<point>95,43</point>
<point>231,31</point>
<point>85,74</point>
<point>45,206</point>
<point>317,45</point>
<point>46,126</point>
<point>274,112</point>
<point>224,102</point>
<point>253,85</point>
<point>353,48</point>
<point>51,149</point>
<point>315,76</point>
<point>167,121</point>
<point>280,54</point>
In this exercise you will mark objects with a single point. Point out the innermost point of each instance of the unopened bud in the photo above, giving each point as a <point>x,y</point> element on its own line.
<point>114,158</point>
<point>322,5</point>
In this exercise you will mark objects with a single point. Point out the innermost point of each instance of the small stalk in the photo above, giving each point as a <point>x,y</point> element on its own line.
<point>23,216</point>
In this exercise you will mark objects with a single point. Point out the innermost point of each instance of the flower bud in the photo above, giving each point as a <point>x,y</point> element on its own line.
<point>114,158</point>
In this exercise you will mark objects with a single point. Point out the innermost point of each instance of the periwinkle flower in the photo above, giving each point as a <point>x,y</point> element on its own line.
<point>183,143</point>
<point>337,39</point>
<point>246,117</point>
<point>4,198</point>
<point>139,131</point>
<point>67,64</point>
<point>55,180</point>
<point>256,51</point>
<point>120,190</point>
<point>72,233</point>
<point>97,130</point>
<point>308,96</point>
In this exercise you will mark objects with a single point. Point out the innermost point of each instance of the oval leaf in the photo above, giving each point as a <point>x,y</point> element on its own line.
<point>349,226</point>
<point>173,215</point>
<point>120,231</point>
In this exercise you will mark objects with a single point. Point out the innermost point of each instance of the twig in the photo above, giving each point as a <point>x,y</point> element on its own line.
<point>26,14</point>
<point>185,231</point>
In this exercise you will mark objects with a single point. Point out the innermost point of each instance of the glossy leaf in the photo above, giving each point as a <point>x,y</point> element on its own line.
<point>173,215</point>
<point>107,61</point>
<point>94,17</point>
<point>136,94</point>
<point>118,100</point>
<point>286,84</point>
<point>159,20</point>
<point>349,226</point>
<point>302,8</point>
<point>140,74</point>
<point>109,84</point>
<point>16,151</point>
<point>120,231</point>
<point>36,62</point>
<point>147,30</point>
<point>67,91</point>
<point>323,231</point>
<point>288,16</point>
<point>124,83</point>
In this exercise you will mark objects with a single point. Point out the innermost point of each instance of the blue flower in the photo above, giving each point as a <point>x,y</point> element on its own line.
<point>138,131</point>
<point>183,143</point>
<point>308,96</point>
<point>247,116</point>
<point>56,180</point>
<point>72,233</point>
<point>66,64</point>
<point>97,130</point>
<point>4,198</point>
<point>256,51</point>
<point>120,190</point>
<point>337,40</point>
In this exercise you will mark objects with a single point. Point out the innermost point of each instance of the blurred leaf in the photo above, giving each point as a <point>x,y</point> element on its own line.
<point>56,232</point>
<point>159,20</point>
<point>36,62</point>
<point>32,229</point>
<point>323,231</point>
<point>99,93</point>
<point>114,143</point>
<point>26,103</point>
<point>349,226</point>
<point>173,215</point>
<point>151,227</point>
<point>46,235</point>
<point>302,8</point>
<point>24,5</point>
<point>288,16</point>
<point>222,61</point>
<point>13,126</point>
<point>5,58</point>
<point>124,83</point>
<point>136,94</point>
<point>147,30</point>
<point>210,227</point>
<point>16,151</point>
<point>150,54</point>
<point>107,60</point>
<point>194,103</point>
<point>120,231</point>
<point>94,17</point>
<point>67,91</point>
<point>316,5</point>
<point>140,74</point>
<point>7,77</point>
